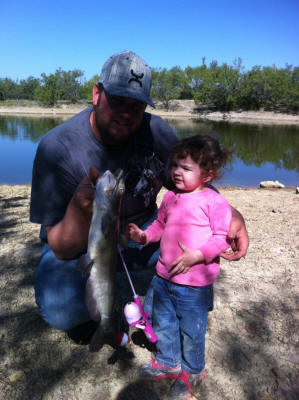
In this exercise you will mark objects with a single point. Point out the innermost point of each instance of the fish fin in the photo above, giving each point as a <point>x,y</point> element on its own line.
<point>84,264</point>
<point>97,340</point>
<point>123,241</point>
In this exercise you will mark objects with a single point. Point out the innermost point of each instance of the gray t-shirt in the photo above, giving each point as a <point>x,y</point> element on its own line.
<point>66,153</point>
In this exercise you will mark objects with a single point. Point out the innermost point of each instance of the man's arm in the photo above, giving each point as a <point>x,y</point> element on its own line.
<point>69,237</point>
<point>239,236</point>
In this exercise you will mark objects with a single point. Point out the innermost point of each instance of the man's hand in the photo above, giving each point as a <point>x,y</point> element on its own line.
<point>136,234</point>
<point>239,237</point>
<point>70,235</point>
<point>84,194</point>
<point>189,257</point>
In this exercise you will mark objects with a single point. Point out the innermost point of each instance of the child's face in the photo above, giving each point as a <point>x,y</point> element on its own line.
<point>187,175</point>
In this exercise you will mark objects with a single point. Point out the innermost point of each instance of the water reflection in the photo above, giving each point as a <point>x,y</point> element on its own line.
<point>253,144</point>
<point>26,128</point>
<point>260,152</point>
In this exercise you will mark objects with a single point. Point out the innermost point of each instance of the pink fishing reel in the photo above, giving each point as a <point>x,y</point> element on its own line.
<point>137,318</point>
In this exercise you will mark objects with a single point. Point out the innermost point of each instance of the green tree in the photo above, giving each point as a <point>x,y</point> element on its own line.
<point>270,88</point>
<point>48,93</point>
<point>224,87</point>
<point>69,84</point>
<point>294,92</point>
<point>217,85</point>
<point>8,89</point>
<point>195,77</point>
<point>27,87</point>
<point>62,85</point>
<point>88,85</point>
<point>167,85</point>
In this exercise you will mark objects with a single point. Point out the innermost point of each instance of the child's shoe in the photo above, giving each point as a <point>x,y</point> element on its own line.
<point>185,384</point>
<point>157,371</point>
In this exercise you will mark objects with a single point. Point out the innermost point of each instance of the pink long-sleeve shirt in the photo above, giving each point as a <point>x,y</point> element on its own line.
<point>199,220</point>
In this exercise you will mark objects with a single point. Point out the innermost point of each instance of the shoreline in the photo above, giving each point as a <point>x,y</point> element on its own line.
<point>6,187</point>
<point>184,109</point>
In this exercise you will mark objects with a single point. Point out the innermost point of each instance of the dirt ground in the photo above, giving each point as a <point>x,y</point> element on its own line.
<point>252,337</point>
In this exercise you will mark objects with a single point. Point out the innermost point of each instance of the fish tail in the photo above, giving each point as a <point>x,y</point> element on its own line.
<point>97,340</point>
<point>106,336</point>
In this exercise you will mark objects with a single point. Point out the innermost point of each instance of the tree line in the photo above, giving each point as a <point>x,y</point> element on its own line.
<point>219,87</point>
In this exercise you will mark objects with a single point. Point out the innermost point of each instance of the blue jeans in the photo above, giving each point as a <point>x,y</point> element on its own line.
<point>180,316</point>
<point>60,287</point>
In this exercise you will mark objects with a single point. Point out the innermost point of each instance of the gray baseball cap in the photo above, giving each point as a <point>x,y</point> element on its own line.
<point>126,74</point>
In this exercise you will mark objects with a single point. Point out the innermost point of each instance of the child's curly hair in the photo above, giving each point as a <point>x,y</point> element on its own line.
<point>204,150</point>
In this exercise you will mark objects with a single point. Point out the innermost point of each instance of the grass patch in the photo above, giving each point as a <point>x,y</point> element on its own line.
<point>8,103</point>
<point>18,103</point>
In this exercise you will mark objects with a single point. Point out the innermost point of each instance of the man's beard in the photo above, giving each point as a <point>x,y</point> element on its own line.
<point>107,135</point>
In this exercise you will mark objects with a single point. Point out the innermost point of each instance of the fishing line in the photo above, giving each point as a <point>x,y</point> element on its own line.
<point>134,311</point>
<point>126,269</point>
<point>83,167</point>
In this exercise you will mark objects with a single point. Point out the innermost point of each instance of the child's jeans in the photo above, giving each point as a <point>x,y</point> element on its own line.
<point>180,316</point>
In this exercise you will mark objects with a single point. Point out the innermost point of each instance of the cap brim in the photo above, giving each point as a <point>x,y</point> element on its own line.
<point>132,94</point>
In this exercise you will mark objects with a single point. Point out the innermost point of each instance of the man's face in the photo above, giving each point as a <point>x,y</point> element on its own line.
<point>115,118</point>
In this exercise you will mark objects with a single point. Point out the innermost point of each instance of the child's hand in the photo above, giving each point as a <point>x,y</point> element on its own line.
<point>135,234</point>
<point>188,258</point>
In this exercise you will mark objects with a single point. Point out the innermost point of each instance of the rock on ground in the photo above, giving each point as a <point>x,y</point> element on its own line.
<point>271,184</point>
<point>252,337</point>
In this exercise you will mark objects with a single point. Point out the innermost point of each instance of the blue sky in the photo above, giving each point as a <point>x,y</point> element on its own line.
<point>40,35</point>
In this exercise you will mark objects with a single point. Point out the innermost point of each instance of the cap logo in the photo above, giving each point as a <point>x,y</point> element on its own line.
<point>136,78</point>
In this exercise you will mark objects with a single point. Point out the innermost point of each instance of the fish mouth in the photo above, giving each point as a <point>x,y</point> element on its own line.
<point>109,186</point>
<point>111,180</point>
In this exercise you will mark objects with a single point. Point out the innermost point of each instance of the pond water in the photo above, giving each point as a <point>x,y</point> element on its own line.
<point>260,152</point>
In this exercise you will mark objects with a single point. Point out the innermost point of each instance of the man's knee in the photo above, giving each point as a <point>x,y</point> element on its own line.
<point>63,315</point>
<point>59,292</point>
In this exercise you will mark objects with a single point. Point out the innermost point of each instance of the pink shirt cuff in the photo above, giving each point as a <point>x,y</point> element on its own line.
<point>212,251</point>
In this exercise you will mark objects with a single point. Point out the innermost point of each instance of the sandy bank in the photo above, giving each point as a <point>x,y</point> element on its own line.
<point>177,109</point>
<point>252,337</point>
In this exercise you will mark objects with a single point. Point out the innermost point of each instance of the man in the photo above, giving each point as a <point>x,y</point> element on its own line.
<point>115,133</point>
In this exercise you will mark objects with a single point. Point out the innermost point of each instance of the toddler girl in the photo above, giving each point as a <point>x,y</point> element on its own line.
<point>192,225</point>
